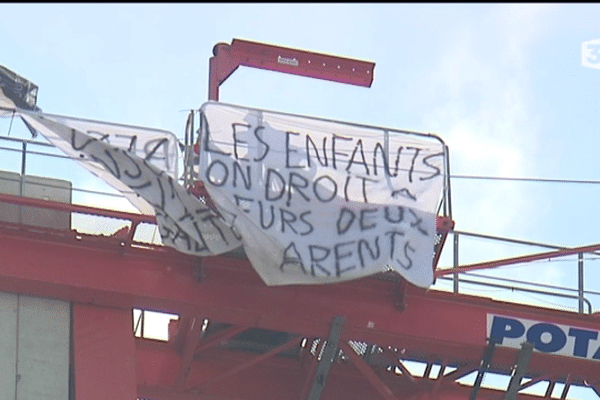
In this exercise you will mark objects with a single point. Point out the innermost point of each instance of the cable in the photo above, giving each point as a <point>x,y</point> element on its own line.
<point>557,305</point>
<point>397,168</point>
<point>452,176</point>
<point>504,178</point>
<point>11,122</point>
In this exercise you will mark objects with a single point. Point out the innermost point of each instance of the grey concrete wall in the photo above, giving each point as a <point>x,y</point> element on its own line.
<point>8,345</point>
<point>34,348</point>
<point>10,183</point>
<point>34,332</point>
<point>37,188</point>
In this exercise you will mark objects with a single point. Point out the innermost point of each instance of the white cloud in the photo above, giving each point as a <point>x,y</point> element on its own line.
<point>482,90</point>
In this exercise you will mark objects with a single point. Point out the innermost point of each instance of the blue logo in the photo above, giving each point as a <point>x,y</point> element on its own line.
<point>546,337</point>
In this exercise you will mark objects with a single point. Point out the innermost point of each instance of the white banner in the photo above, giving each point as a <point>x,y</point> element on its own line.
<point>184,221</point>
<point>318,201</point>
<point>312,201</point>
<point>158,147</point>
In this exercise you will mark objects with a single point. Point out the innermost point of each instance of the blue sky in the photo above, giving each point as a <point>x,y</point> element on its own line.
<point>502,84</point>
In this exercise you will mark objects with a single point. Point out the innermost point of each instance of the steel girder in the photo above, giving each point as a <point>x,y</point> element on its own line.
<point>116,275</point>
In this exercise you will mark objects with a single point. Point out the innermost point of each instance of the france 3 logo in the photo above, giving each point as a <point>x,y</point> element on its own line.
<point>590,54</point>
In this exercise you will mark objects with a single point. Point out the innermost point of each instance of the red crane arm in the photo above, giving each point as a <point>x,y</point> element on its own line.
<point>227,58</point>
<point>105,277</point>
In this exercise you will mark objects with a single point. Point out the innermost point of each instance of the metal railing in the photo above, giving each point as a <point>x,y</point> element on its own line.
<point>533,287</point>
<point>26,148</point>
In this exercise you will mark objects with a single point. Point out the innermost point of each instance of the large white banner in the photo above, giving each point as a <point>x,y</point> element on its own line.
<point>158,147</point>
<point>312,201</point>
<point>318,201</point>
<point>185,222</point>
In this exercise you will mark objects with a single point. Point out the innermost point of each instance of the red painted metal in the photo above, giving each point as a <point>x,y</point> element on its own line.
<point>103,353</point>
<point>521,259</point>
<point>227,58</point>
<point>106,276</point>
<point>250,363</point>
<point>59,206</point>
<point>219,338</point>
<point>102,271</point>
<point>368,372</point>
<point>191,342</point>
<point>312,369</point>
<point>398,362</point>
<point>443,226</point>
<point>277,378</point>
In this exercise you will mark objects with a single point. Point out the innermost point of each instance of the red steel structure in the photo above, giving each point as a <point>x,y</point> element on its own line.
<point>237,339</point>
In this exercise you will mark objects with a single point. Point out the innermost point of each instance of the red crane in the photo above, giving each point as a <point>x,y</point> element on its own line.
<point>236,338</point>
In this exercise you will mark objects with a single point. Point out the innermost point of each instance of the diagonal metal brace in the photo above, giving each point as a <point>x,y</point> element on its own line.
<point>329,353</point>
<point>485,364</point>
<point>522,361</point>
<point>368,372</point>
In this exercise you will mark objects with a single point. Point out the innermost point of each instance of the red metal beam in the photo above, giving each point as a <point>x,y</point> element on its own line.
<point>103,353</point>
<point>443,226</point>
<point>520,259</point>
<point>534,381</point>
<point>279,377</point>
<point>60,206</point>
<point>366,370</point>
<point>438,382</point>
<point>566,387</point>
<point>233,293</point>
<point>454,393</point>
<point>227,58</point>
<point>248,364</point>
<point>220,337</point>
<point>97,271</point>
<point>191,342</point>
<point>398,363</point>
<point>168,393</point>
<point>312,369</point>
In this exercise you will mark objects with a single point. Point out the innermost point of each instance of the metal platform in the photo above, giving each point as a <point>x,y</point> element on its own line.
<point>239,339</point>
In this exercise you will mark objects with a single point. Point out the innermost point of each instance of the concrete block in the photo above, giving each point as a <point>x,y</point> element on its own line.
<point>35,187</point>
<point>43,349</point>
<point>10,183</point>
<point>8,345</point>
